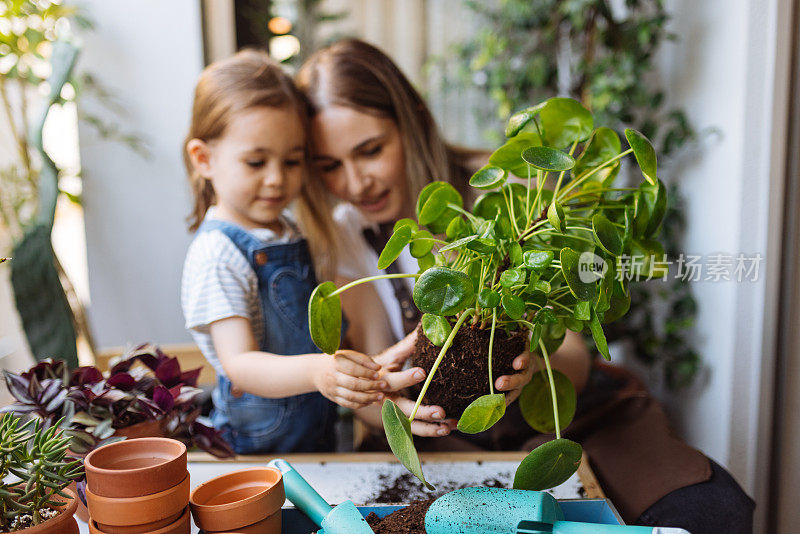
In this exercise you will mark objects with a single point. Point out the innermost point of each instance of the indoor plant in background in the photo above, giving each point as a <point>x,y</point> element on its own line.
<point>34,473</point>
<point>550,251</point>
<point>146,393</point>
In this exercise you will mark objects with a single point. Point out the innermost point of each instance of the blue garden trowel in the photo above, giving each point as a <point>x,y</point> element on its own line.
<point>510,511</point>
<point>341,519</point>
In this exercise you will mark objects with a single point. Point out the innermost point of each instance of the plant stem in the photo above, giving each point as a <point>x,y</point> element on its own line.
<point>552,387</point>
<point>491,344</point>
<point>442,352</point>
<point>372,279</point>
<point>581,179</point>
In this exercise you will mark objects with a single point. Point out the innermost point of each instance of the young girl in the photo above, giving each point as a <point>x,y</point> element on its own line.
<point>248,273</point>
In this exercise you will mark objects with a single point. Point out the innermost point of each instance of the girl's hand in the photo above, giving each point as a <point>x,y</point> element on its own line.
<point>429,421</point>
<point>349,379</point>
<point>513,384</point>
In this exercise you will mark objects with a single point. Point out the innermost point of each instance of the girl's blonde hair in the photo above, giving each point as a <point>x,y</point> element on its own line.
<point>247,80</point>
<point>357,75</point>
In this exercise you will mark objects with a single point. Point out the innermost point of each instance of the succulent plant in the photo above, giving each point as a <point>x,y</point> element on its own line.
<point>33,471</point>
<point>94,407</point>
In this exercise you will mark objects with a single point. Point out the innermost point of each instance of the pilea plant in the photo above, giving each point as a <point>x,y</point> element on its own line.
<point>33,472</point>
<point>550,245</point>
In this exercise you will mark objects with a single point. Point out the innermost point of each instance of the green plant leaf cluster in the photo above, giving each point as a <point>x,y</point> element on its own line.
<point>550,244</point>
<point>34,469</point>
<point>518,55</point>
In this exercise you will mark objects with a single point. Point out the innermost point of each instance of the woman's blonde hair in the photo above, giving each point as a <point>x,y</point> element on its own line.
<point>357,75</point>
<point>247,80</point>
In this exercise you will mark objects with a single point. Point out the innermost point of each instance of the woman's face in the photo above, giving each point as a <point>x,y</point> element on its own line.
<point>360,158</point>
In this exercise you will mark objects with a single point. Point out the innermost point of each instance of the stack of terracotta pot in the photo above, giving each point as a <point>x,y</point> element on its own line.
<point>247,501</point>
<point>138,486</point>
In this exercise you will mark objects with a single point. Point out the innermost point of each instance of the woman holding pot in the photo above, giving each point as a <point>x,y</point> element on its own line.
<point>376,146</point>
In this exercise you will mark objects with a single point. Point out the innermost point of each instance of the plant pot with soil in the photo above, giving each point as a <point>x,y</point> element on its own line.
<point>34,474</point>
<point>243,501</point>
<point>552,244</point>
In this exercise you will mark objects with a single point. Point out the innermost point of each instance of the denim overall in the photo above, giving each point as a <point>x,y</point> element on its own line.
<point>300,423</point>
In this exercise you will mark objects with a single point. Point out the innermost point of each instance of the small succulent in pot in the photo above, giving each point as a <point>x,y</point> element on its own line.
<point>94,407</point>
<point>34,470</point>
<point>550,245</point>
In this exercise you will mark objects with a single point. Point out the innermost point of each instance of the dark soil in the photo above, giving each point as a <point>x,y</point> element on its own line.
<point>408,520</point>
<point>406,488</point>
<point>463,375</point>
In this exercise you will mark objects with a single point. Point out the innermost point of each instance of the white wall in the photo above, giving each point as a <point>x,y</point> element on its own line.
<point>148,53</point>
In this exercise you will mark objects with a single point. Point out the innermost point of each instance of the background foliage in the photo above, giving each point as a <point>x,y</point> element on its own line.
<point>601,53</point>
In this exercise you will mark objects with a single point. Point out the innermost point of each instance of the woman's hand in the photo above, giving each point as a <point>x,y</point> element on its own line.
<point>512,384</point>
<point>350,379</point>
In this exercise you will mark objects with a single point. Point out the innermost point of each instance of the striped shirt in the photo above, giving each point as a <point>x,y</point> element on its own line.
<point>218,282</point>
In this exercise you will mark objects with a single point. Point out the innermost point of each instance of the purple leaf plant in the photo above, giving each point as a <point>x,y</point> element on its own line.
<point>144,385</point>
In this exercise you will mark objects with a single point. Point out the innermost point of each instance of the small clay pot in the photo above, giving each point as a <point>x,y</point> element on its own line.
<point>239,499</point>
<point>269,525</point>
<point>63,523</point>
<point>143,510</point>
<point>182,526</point>
<point>135,467</point>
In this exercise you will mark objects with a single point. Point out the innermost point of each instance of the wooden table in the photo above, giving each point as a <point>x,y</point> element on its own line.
<point>366,478</point>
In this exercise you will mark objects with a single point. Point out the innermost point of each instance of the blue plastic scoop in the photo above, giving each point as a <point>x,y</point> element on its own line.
<point>341,519</point>
<point>510,511</point>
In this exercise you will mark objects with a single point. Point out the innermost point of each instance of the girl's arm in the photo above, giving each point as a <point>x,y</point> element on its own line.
<point>347,378</point>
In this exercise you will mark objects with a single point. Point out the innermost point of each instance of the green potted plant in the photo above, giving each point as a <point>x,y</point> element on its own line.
<point>34,474</point>
<point>550,245</point>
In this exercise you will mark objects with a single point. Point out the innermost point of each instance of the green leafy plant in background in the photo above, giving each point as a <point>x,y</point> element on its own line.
<point>34,469</point>
<point>550,245</point>
<point>36,60</point>
<point>603,54</point>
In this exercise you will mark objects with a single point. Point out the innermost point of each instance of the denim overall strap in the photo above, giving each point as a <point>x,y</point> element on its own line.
<point>299,423</point>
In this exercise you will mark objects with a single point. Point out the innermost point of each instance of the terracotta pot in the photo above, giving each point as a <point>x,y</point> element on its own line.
<point>135,467</point>
<point>238,499</point>
<point>142,510</point>
<point>182,526</point>
<point>81,512</point>
<point>269,525</point>
<point>145,429</point>
<point>63,523</point>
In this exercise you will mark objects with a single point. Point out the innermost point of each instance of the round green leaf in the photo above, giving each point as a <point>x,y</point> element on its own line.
<point>576,325</point>
<point>435,208</point>
<point>325,317</point>
<point>426,193</point>
<point>565,121</point>
<point>443,291</point>
<point>536,334</point>
<point>488,299</point>
<point>548,159</point>
<point>400,238</point>
<point>406,222</point>
<point>599,336</point>
<point>426,262</point>
<point>436,328</point>
<point>606,234</point>
<point>513,305</point>
<point>398,434</point>
<point>603,145</point>
<point>545,316</point>
<point>422,244</point>
<point>456,228</point>
<point>509,156</point>
<point>515,254</point>
<point>655,196</point>
<point>618,307</point>
<point>536,402</point>
<point>571,266</point>
<point>548,465</point>
<point>512,277</point>
<point>520,119</point>
<point>644,152</point>
<point>538,259</point>
<point>482,245</point>
<point>555,214</point>
<point>482,413</point>
<point>488,177</point>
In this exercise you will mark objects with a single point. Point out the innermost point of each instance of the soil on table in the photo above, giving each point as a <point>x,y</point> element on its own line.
<point>408,520</point>
<point>463,374</point>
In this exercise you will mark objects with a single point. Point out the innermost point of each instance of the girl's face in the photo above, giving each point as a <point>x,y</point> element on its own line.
<point>360,157</point>
<point>255,166</point>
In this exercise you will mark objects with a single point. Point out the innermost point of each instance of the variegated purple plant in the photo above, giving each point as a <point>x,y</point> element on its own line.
<point>94,407</point>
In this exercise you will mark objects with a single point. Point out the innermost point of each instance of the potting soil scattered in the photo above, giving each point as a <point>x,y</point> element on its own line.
<point>408,520</point>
